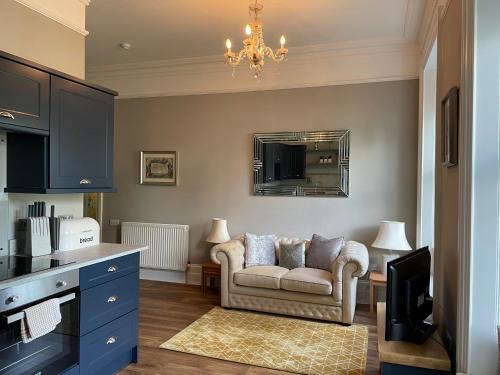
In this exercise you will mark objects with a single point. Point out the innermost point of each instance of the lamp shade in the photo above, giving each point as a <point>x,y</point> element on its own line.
<point>218,233</point>
<point>391,236</point>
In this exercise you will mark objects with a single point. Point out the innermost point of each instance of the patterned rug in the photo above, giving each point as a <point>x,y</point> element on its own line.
<point>276,342</point>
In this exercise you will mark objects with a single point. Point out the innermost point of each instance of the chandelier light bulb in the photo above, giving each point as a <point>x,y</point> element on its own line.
<point>282,41</point>
<point>228,44</point>
<point>248,30</point>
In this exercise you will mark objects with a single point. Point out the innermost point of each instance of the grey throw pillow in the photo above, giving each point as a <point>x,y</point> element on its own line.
<point>323,252</point>
<point>260,250</point>
<point>292,255</point>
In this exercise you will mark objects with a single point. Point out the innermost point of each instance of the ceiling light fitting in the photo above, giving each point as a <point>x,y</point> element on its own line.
<point>254,48</point>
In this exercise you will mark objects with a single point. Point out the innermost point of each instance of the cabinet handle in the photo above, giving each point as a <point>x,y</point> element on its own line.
<point>7,115</point>
<point>111,340</point>
<point>112,269</point>
<point>112,299</point>
<point>85,181</point>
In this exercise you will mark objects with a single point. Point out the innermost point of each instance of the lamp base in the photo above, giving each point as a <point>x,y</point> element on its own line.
<point>386,258</point>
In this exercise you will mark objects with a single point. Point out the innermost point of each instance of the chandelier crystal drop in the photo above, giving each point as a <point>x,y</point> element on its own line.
<point>254,48</point>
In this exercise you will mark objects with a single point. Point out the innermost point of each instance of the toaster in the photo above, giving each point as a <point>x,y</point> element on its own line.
<point>78,233</point>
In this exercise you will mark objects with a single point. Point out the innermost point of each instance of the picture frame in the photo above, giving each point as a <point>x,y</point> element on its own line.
<point>449,128</point>
<point>159,168</point>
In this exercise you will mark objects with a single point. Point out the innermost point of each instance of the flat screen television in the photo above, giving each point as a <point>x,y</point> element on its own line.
<point>408,300</point>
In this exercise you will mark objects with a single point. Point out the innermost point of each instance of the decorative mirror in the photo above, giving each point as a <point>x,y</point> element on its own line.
<point>309,163</point>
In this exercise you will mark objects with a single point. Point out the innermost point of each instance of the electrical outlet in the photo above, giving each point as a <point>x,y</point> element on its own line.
<point>114,222</point>
<point>372,267</point>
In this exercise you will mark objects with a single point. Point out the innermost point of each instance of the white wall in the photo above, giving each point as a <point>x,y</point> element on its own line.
<point>485,191</point>
<point>31,35</point>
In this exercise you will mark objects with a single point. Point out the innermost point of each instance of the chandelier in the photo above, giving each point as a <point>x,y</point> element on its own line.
<point>254,48</point>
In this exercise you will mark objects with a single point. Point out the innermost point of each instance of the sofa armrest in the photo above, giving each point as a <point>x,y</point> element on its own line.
<point>351,263</point>
<point>233,250</point>
<point>352,252</point>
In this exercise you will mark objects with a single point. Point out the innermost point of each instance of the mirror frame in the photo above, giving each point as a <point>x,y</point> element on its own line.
<point>340,136</point>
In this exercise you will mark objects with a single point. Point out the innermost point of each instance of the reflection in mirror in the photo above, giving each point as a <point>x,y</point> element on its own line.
<point>312,163</point>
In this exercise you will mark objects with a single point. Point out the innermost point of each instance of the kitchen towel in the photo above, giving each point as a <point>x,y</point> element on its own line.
<point>40,319</point>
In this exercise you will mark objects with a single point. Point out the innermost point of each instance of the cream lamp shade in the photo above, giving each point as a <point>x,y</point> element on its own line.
<point>391,236</point>
<point>218,233</point>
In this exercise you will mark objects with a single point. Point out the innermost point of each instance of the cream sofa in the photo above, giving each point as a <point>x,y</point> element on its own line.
<point>303,292</point>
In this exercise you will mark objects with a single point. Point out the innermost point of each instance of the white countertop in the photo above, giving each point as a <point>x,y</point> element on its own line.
<point>80,258</point>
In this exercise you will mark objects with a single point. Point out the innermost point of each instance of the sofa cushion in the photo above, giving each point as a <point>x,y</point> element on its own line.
<point>292,255</point>
<point>260,250</point>
<point>260,276</point>
<point>323,252</point>
<point>307,280</point>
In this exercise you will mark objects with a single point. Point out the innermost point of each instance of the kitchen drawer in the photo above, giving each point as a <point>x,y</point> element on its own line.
<point>104,303</point>
<point>100,273</point>
<point>111,347</point>
<point>75,370</point>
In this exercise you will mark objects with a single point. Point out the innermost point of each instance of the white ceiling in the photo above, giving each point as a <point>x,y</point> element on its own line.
<point>171,29</point>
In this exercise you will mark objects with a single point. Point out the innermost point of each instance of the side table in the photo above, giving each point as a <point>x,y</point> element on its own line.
<point>211,270</point>
<point>376,279</point>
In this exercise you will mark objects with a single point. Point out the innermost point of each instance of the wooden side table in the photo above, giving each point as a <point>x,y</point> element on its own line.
<point>376,279</point>
<point>211,270</point>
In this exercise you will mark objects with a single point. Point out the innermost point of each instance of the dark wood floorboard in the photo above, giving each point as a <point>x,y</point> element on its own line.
<point>166,309</point>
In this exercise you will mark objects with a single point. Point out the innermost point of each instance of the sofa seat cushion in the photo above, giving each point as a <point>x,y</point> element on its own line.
<point>260,277</point>
<point>307,280</point>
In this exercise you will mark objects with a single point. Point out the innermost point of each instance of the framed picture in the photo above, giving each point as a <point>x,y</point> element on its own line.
<point>158,168</point>
<point>449,128</point>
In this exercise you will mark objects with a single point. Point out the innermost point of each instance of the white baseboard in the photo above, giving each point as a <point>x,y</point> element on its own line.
<point>163,275</point>
<point>192,276</point>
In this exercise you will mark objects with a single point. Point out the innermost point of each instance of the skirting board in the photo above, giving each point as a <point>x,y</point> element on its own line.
<point>192,276</point>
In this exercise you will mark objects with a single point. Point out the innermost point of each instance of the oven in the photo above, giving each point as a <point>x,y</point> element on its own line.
<point>53,353</point>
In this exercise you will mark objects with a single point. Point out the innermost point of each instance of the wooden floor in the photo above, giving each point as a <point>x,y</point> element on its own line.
<point>166,309</point>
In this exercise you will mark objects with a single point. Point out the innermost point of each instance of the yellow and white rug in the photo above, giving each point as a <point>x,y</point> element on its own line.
<point>276,342</point>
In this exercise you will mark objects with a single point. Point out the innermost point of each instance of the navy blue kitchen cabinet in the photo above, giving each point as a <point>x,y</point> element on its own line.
<point>81,136</point>
<point>24,98</point>
<point>109,320</point>
<point>59,129</point>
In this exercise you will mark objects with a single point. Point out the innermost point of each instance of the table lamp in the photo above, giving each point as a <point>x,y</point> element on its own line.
<point>218,233</point>
<point>391,236</point>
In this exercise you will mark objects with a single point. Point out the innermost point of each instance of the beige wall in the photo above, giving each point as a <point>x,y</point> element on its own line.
<point>446,219</point>
<point>213,135</point>
<point>30,35</point>
<point>33,36</point>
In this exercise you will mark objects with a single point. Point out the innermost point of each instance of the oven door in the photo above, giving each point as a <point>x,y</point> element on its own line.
<point>51,354</point>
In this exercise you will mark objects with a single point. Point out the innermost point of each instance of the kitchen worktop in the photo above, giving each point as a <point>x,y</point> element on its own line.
<point>79,258</point>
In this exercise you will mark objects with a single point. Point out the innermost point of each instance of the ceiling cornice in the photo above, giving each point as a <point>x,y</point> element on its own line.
<point>70,13</point>
<point>317,65</point>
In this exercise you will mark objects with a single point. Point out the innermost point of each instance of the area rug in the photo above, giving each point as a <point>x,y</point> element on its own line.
<point>276,342</point>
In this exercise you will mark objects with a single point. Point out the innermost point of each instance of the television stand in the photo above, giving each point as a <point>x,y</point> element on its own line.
<point>406,358</point>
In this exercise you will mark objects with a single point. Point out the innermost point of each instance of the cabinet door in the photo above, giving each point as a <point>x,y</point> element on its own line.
<point>24,97</point>
<point>81,136</point>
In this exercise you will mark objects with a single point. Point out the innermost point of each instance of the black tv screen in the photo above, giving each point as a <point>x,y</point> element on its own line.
<point>408,299</point>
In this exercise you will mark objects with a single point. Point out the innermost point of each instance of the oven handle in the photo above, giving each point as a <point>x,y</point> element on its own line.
<point>20,315</point>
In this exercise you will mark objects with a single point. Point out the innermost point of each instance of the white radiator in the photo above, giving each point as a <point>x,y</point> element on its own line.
<point>168,244</point>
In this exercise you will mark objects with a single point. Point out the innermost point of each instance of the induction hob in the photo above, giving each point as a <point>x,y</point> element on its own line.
<point>17,265</point>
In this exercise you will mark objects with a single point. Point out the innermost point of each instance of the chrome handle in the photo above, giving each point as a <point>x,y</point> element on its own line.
<point>111,340</point>
<point>61,284</point>
<point>85,181</point>
<point>7,115</point>
<point>12,299</point>
<point>112,299</point>
<point>112,269</point>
